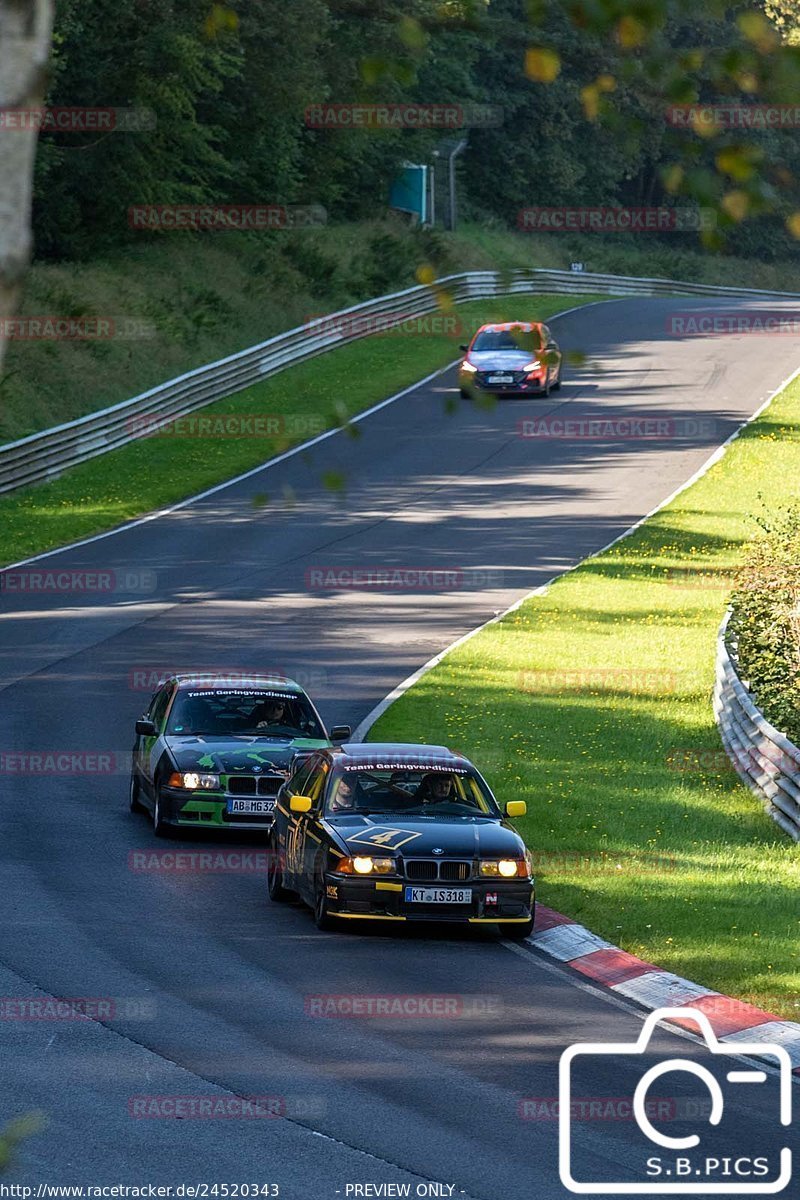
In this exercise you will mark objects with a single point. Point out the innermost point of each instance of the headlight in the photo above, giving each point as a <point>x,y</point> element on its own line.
<point>194,781</point>
<point>507,867</point>
<point>532,366</point>
<point>364,864</point>
<point>469,367</point>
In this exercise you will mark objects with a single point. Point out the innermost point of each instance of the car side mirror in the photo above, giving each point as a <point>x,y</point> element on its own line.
<point>340,733</point>
<point>464,346</point>
<point>145,727</point>
<point>300,804</point>
<point>516,808</point>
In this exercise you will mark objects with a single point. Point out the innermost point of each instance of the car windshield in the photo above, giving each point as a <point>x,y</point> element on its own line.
<point>422,791</point>
<point>243,712</point>
<point>527,340</point>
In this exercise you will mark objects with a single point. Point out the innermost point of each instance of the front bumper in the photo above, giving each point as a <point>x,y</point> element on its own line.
<point>494,902</point>
<point>199,810</point>
<point>532,385</point>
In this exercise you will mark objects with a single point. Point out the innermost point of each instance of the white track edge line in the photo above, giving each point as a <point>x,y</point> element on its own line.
<point>557,968</point>
<point>271,462</point>
<point>366,724</point>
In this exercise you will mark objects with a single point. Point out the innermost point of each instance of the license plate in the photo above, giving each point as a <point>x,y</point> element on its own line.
<point>252,808</point>
<point>417,895</point>
<point>500,379</point>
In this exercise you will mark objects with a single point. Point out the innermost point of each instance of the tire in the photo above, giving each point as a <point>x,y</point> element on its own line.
<point>160,826</point>
<point>464,393</point>
<point>322,918</point>
<point>557,384</point>
<point>134,803</point>
<point>546,388</point>
<point>518,933</point>
<point>277,892</point>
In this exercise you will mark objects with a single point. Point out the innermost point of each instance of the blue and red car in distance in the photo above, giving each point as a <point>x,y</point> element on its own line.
<point>515,358</point>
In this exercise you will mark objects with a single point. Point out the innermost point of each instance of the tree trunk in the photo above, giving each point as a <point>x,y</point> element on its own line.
<point>25,37</point>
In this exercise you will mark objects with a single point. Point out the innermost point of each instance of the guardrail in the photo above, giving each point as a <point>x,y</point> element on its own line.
<point>762,756</point>
<point>45,455</point>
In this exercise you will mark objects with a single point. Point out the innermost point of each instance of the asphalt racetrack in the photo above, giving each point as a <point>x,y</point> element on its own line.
<point>210,989</point>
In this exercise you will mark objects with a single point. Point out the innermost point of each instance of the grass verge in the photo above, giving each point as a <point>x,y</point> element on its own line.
<point>592,702</point>
<point>320,394</point>
<point>201,297</point>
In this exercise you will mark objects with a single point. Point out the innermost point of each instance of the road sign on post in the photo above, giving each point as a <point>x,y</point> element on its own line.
<point>409,192</point>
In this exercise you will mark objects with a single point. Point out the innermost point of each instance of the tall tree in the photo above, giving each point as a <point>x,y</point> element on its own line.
<point>25,37</point>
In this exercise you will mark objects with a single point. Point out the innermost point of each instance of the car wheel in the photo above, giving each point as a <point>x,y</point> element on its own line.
<point>518,933</point>
<point>134,803</point>
<point>557,383</point>
<point>547,386</point>
<point>160,826</point>
<point>464,393</point>
<point>322,918</point>
<point>275,887</point>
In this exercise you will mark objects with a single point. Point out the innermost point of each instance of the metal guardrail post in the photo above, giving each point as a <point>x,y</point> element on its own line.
<point>764,758</point>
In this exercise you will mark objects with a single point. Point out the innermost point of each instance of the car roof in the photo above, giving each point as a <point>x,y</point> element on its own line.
<point>237,679</point>
<point>403,754</point>
<point>505,326</point>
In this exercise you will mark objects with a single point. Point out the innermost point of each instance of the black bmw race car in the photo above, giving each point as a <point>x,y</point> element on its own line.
<point>213,753</point>
<point>399,833</point>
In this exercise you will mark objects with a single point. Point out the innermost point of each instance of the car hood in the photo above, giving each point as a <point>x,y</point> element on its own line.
<point>236,755</point>
<point>417,837</point>
<point>501,360</point>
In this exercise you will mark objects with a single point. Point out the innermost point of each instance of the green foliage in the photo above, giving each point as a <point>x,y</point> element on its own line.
<point>14,1133</point>
<point>583,92</point>
<point>766,620</point>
